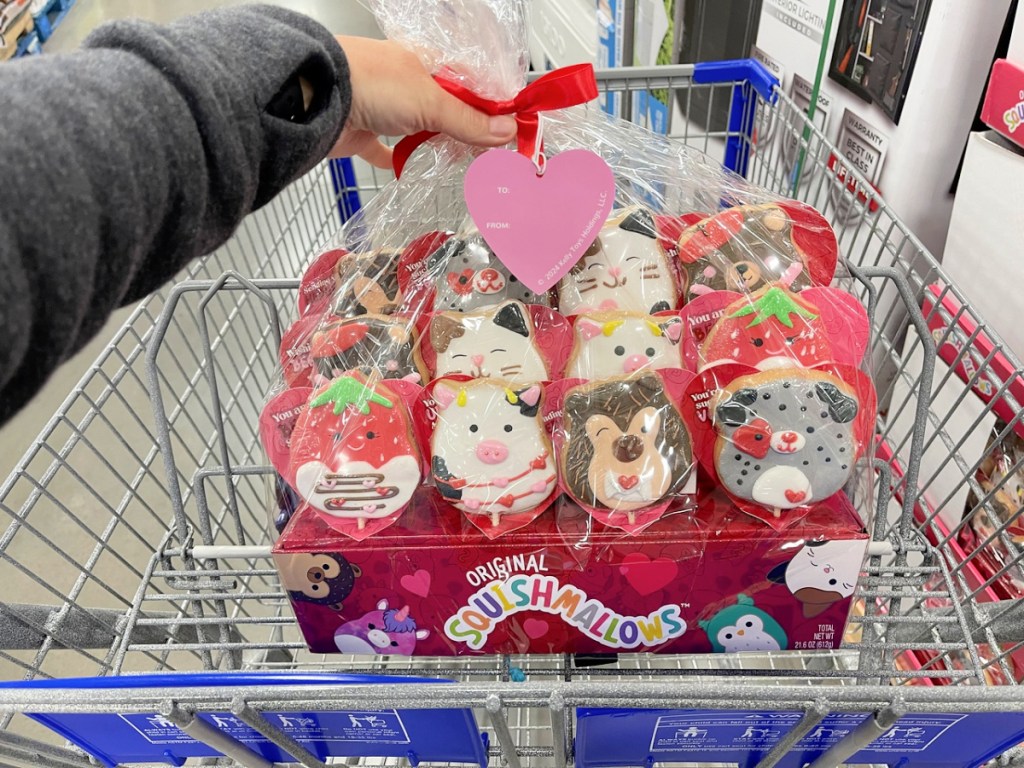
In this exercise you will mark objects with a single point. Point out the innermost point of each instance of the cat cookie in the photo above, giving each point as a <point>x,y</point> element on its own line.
<point>490,454</point>
<point>367,284</point>
<point>749,246</point>
<point>626,446</point>
<point>497,342</point>
<point>366,343</point>
<point>353,451</point>
<point>616,343</point>
<point>626,268</point>
<point>771,328</point>
<point>468,276</point>
<point>785,437</point>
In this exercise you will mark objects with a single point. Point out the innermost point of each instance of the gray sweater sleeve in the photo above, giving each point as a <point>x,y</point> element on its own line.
<point>122,161</point>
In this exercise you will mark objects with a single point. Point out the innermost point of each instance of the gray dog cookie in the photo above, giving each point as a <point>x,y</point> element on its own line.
<point>785,437</point>
<point>467,276</point>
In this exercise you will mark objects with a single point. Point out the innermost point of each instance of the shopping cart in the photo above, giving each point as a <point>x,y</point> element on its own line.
<point>138,535</point>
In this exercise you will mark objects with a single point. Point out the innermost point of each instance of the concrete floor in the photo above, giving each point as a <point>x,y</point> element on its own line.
<point>341,16</point>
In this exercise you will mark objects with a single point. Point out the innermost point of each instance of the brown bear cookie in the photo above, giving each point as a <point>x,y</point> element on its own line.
<point>367,283</point>
<point>750,246</point>
<point>626,446</point>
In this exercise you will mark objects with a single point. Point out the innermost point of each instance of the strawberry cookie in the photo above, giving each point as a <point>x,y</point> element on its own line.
<point>771,328</point>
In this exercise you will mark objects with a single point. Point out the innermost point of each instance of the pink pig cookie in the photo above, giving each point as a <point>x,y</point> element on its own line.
<point>616,343</point>
<point>490,454</point>
<point>385,631</point>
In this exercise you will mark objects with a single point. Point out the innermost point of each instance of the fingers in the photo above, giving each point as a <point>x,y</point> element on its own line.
<point>377,153</point>
<point>462,122</point>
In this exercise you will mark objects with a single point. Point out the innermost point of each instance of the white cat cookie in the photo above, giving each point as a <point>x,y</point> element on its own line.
<point>616,343</point>
<point>626,268</point>
<point>498,342</point>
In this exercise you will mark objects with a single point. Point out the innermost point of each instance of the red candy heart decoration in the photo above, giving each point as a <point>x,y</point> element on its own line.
<point>795,497</point>
<point>626,482</point>
<point>753,438</point>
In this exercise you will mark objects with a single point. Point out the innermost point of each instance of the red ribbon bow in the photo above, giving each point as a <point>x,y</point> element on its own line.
<point>558,89</point>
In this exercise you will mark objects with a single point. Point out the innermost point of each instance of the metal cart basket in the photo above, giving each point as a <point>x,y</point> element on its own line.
<point>135,532</point>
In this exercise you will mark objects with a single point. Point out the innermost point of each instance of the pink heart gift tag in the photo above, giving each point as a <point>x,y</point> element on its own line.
<point>539,225</point>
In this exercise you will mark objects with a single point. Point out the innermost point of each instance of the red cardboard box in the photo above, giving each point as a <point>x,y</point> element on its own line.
<point>1003,110</point>
<point>708,580</point>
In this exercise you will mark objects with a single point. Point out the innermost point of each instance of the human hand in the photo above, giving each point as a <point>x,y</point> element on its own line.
<point>394,95</point>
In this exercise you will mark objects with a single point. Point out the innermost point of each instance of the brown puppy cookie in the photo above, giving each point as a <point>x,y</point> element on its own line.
<point>626,446</point>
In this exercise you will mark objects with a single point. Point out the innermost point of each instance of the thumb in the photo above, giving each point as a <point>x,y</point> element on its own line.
<point>463,122</point>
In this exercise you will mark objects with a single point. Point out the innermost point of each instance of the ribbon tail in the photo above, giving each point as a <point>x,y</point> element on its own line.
<point>404,149</point>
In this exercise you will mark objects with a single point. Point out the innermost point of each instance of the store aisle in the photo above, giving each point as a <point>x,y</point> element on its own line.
<point>347,17</point>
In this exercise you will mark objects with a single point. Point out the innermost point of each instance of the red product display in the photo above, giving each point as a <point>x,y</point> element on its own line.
<point>716,580</point>
<point>1003,110</point>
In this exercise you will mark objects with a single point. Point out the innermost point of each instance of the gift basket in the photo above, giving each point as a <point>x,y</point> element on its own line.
<point>588,394</point>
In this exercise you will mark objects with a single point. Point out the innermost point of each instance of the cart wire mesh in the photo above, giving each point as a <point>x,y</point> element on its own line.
<point>137,534</point>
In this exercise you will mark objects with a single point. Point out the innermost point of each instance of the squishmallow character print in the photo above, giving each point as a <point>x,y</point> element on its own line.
<point>468,276</point>
<point>821,573</point>
<point>785,437</point>
<point>610,344</point>
<point>322,578</point>
<point>750,246</point>
<point>367,284</point>
<point>368,343</point>
<point>626,446</point>
<point>772,328</point>
<point>626,268</point>
<point>353,451</point>
<point>498,342</point>
<point>744,627</point>
<point>385,631</point>
<point>490,454</point>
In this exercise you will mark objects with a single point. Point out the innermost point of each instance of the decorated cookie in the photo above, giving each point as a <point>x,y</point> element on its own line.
<point>771,328</point>
<point>626,268</point>
<point>366,343</point>
<point>467,276</point>
<point>786,437</point>
<point>498,342</point>
<point>353,451</point>
<point>367,284</point>
<point>749,246</point>
<point>490,455</point>
<point>617,343</point>
<point>626,446</point>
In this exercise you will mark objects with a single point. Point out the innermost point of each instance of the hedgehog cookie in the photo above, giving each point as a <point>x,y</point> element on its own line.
<point>626,447</point>
<point>616,343</point>
<point>366,343</point>
<point>498,342</point>
<point>468,276</point>
<point>749,246</point>
<point>771,328</point>
<point>625,268</point>
<point>785,437</point>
